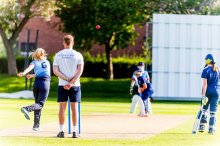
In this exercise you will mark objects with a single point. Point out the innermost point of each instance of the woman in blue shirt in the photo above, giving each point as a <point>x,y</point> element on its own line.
<point>41,87</point>
<point>210,90</point>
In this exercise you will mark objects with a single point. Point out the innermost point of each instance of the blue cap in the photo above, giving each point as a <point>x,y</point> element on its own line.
<point>210,59</point>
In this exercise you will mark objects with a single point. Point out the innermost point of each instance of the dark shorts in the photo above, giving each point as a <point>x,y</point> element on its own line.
<point>74,94</point>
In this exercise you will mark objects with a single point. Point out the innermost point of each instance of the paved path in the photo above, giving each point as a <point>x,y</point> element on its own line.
<point>106,126</point>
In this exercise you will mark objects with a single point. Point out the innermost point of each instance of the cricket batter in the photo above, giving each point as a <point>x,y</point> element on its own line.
<point>68,66</point>
<point>134,83</point>
<point>41,87</point>
<point>144,88</point>
<point>210,90</point>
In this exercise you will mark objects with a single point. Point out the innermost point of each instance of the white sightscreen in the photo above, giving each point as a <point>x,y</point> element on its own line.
<point>180,44</point>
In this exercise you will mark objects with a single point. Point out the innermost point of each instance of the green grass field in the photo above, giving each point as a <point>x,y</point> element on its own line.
<point>98,96</point>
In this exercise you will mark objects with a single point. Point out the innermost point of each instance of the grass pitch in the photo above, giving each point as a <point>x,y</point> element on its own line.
<point>180,135</point>
<point>99,96</point>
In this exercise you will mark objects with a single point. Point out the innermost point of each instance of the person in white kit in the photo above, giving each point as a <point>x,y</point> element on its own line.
<point>68,66</point>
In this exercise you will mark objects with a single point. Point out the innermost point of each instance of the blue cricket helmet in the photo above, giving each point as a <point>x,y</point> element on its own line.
<point>210,59</point>
<point>137,69</point>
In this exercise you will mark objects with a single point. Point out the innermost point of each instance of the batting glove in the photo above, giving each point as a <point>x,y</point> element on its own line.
<point>131,90</point>
<point>204,100</point>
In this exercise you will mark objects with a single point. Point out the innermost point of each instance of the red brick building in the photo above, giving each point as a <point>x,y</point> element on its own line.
<point>50,38</point>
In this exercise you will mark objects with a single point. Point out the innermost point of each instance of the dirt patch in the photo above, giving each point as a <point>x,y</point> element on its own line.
<point>108,126</point>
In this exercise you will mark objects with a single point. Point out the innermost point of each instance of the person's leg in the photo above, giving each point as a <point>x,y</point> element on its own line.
<point>75,98</point>
<point>149,98</point>
<point>40,91</point>
<point>37,115</point>
<point>36,112</point>
<point>62,109</point>
<point>203,122</point>
<point>134,101</point>
<point>213,112</point>
<point>74,108</point>
<point>149,107</point>
<point>41,94</point>
<point>141,106</point>
<point>26,109</point>
<point>145,96</point>
<point>62,99</point>
<point>146,106</point>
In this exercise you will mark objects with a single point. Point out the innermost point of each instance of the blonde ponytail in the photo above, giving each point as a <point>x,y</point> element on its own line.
<point>215,67</point>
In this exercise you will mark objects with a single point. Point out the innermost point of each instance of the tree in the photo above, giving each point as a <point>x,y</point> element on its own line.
<point>14,15</point>
<point>116,18</point>
<point>200,7</point>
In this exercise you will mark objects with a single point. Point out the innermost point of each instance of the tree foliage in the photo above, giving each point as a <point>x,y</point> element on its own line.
<point>200,7</point>
<point>116,18</point>
<point>14,14</point>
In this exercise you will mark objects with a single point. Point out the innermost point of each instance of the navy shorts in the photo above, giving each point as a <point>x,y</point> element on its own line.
<point>74,94</point>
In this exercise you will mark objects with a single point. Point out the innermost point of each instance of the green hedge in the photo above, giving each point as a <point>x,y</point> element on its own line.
<point>122,69</point>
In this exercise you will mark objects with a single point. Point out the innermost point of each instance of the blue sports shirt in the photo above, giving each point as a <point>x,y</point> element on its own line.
<point>144,74</point>
<point>147,92</point>
<point>213,85</point>
<point>41,68</point>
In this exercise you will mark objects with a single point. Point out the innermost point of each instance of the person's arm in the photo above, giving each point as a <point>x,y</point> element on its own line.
<point>143,88</point>
<point>29,76</point>
<point>27,70</point>
<point>133,80</point>
<point>148,77</point>
<point>79,71</point>
<point>57,72</point>
<point>75,78</point>
<point>204,86</point>
<point>204,99</point>
<point>132,83</point>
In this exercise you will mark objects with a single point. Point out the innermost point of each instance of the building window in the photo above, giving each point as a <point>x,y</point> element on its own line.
<point>31,47</point>
<point>23,47</point>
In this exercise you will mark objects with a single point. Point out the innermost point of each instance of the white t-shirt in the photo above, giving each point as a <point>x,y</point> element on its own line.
<point>67,61</point>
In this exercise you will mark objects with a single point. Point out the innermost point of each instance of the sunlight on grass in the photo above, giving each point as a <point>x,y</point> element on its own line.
<point>99,96</point>
<point>180,135</point>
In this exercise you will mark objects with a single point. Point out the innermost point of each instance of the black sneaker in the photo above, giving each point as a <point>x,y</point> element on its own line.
<point>75,135</point>
<point>60,134</point>
<point>36,127</point>
<point>201,128</point>
<point>25,112</point>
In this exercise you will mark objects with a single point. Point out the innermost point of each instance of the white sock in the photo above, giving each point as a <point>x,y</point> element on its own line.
<point>74,128</point>
<point>61,128</point>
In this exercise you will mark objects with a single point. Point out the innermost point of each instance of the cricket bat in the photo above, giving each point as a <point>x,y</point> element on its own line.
<point>197,120</point>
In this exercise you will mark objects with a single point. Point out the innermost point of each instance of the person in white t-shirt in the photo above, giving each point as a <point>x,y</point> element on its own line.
<point>68,66</point>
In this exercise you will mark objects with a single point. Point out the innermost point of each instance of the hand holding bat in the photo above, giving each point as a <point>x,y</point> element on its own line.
<point>204,100</point>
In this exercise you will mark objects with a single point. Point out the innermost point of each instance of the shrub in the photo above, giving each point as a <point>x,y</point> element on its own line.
<point>94,67</point>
